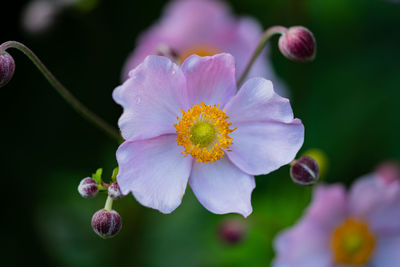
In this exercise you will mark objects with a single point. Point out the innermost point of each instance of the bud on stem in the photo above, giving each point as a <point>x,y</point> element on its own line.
<point>7,68</point>
<point>296,43</point>
<point>106,223</point>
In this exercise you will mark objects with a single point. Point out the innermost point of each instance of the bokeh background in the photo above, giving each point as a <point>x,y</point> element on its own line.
<point>348,99</point>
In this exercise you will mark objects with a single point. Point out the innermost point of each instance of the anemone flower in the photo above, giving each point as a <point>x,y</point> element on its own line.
<point>205,28</point>
<point>356,228</point>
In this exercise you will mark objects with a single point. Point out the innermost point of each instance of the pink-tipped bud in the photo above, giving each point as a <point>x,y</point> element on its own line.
<point>304,171</point>
<point>88,188</point>
<point>388,171</point>
<point>106,223</point>
<point>7,68</point>
<point>232,231</point>
<point>298,44</point>
<point>114,191</point>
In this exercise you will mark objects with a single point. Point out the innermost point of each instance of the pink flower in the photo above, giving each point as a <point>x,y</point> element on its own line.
<point>205,28</point>
<point>187,124</point>
<point>356,228</point>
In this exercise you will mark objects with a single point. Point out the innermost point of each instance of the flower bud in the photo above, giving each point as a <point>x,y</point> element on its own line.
<point>298,44</point>
<point>166,51</point>
<point>88,188</point>
<point>106,223</point>
<point>304,171</point>
<point>232,231</point>
<point>7,68</point>
<point>388,171</point>
<point>114,191</point>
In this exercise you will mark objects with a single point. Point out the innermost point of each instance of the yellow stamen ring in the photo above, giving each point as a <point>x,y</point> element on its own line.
<point>204,132</point>
<point>352,243</point>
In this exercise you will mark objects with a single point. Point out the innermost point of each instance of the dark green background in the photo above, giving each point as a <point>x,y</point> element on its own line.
<point>347,99</point>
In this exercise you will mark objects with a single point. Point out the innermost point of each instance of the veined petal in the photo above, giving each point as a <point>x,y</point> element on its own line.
<point>152,98</point>
<point>155,171</point>
<point>222,188</point>
<point>210,79</point>
<point>256,101</point>
<point>262,147</point>
<point>267,137</point>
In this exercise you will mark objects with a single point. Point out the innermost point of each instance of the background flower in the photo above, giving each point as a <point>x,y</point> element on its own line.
<point>204,27</point>
<point>361,227</point>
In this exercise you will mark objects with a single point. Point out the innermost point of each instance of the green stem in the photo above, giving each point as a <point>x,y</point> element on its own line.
<point>75,103</point>
<point>266,36</point>
<point>109,202</point>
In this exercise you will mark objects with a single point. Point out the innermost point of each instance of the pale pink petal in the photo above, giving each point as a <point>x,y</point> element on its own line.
<point>152,98</point>
<point>378,202</point>
<point>256,101</point>
<point>329,206</point>
<point>210,79</point>
<point>222,188</point>
<point>267,136</point>
<point>388,252</point>
<point>307,243</point>
<point>260,148</point>
<point>155,171</point>
<point>304,245</point>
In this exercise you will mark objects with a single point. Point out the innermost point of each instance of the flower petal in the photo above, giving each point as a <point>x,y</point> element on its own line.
<point>387,254</point>
<point>307,243</point>
<point>152,98</point>
<point>155,171</point>
<point>267,137</point>
<point>260,148</point>
<point>329,206</point>
<point>256,101</point>
<point>222,188</point>
<point>377,202</point>
<point>210,79</point>
<point>304,245</point>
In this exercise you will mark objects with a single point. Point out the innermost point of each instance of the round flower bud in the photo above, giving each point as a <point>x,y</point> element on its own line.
<point>114,191</point>
<point>304,171</point>
<point>388,171</point>
<point>88,188</point>
<point>106,223</point>
<point>231,231</point>
<point>7,68</point>
<point>298,44</point>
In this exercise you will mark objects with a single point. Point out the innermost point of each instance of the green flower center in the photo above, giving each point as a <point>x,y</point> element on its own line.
<point>202,134</point>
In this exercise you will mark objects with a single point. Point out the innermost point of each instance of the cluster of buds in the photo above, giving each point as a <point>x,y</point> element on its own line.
<point>105,222</point>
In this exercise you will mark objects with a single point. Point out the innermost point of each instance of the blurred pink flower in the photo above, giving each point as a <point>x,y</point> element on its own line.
<point>205,28</point>
<point>172,111</point>
<point>356,228</point>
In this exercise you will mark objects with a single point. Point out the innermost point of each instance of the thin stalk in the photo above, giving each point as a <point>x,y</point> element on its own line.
<point>73,101</point>
<point>264,40</point>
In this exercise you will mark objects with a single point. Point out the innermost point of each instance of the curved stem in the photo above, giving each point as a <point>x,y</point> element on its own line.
<point>266,36</point>
<point>75,103</point>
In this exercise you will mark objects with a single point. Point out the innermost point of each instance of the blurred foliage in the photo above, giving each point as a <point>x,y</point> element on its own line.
<point>347,99</point>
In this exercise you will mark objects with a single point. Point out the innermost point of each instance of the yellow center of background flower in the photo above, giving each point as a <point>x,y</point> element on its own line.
<point>352,243</point>
<point>204,132</point>
<point>200,50</point>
